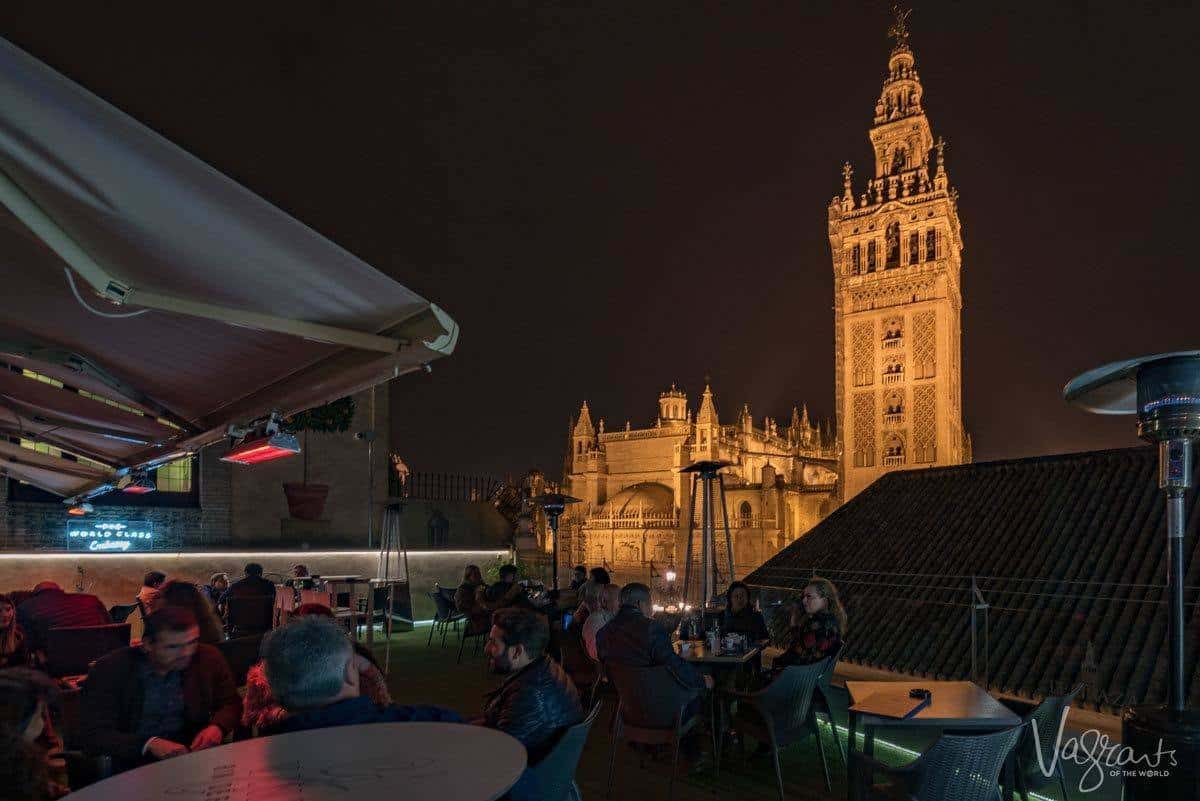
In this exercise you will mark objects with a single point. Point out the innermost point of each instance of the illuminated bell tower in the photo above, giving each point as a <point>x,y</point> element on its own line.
<point>897,260</point>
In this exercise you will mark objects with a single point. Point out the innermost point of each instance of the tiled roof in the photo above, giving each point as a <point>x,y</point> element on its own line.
<point>1069,551</point>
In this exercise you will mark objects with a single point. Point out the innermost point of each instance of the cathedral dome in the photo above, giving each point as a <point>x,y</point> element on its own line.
<point>649,496</point>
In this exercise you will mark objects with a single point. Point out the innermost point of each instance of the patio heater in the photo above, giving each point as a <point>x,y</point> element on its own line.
<point>1164,392</point>
<point>554,504</point>
<point>705,474</point>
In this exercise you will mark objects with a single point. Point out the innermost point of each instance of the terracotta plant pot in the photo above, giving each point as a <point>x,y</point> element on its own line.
<point>306,501</point>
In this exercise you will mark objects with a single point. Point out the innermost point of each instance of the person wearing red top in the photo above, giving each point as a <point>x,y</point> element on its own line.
<point>818,626</point>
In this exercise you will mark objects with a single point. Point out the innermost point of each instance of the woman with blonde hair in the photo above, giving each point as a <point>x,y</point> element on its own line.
<point>14,645</point>
<point>818,625</point>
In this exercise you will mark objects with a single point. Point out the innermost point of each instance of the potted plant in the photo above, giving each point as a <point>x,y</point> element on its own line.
<point>307,501</point>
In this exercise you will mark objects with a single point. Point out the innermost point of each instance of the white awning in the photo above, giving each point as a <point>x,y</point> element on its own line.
<point>133,271</point>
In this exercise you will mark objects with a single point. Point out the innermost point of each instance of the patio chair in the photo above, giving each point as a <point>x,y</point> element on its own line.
<point>955,768</point>
<point>70,651</point>
<point>241,654</point>
<point>556,770</point>
<point>651,704</point>
<point>1029,773</point>
<point>250,614</point>
<point>445,615</point>
<point>783,713</point>
<point>476,629</point>
<point>121,612</point>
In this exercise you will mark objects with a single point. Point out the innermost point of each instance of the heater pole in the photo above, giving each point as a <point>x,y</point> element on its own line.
<point>1175,524</point>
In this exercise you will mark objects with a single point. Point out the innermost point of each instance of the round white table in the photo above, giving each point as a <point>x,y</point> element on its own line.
<point>413,761</point>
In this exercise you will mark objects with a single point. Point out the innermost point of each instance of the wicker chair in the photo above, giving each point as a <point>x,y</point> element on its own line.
<point>955,768</point>
<point>650,710</point>
<point>476,629</point>
<point>783,713</point>
<point>1047,716</point>
<point>556,771</point>
<point>576,661</point>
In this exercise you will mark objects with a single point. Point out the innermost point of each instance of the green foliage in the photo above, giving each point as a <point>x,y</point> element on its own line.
<point>491,573</point>
<point>334,417</point>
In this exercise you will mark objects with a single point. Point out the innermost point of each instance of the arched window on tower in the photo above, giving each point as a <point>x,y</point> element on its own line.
<point>893,408</point>
<point>931,238</point>
<point>856,259</point>
<point>914,248</point>
<point>871,256</point>
<point>745,514</point>
<point>899,160</point>
<point>893,450</point>
<point>892,241</point>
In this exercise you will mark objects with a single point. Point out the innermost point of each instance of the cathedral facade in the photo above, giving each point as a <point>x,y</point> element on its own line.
<point>897,261</point>
<point>635,501</point>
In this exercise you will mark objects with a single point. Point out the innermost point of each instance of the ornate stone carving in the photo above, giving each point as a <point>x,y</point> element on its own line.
<point>863,353</point>
<point>925,423</point>
<point>924,344</point>
<point>864,429</point>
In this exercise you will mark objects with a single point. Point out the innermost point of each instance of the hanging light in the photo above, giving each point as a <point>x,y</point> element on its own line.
<point>140,483</point>
<point>80,509</point>
<point>262,444</point>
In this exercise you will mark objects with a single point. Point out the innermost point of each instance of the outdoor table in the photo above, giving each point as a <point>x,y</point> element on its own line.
<point>415,761</point>
<point>699,655</point>
<point>960,706</point>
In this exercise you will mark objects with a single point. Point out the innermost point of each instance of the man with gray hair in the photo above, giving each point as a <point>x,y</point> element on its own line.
<point>311,670</point>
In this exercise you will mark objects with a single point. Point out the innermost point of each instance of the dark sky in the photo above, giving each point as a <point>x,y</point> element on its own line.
<point>613,196</point>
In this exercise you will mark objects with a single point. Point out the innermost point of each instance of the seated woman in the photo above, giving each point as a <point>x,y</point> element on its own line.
<point>186,595</point>
<point>466,600</point>
<point>818,626</point>
<point>14,645</point>
<point>740,617</point>
<point>260,710</point>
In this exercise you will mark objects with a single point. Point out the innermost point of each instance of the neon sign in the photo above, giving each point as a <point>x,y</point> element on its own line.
<point>87,535</point>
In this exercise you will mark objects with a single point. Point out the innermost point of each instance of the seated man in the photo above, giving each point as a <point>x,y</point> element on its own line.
<point>536,700</point>
<point>610,602</point>
<point>311,667</point>
<point>51,608</point>
<point>579,576</point>
<point>632,638</point>
<point>165,697</point>
<point>506,592</point>
<point>251,585</point>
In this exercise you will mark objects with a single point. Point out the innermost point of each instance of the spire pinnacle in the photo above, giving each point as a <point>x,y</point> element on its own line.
<point>708,409</point>
<point>899,28</point>
<point>583,426</point>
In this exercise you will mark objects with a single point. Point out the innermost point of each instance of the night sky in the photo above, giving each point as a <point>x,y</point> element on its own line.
<point>610,197</point>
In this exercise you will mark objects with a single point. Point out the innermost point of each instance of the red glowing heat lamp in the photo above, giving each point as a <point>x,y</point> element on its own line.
<point>79,509</point>
<point>140,485</point>
<point>263,449</point>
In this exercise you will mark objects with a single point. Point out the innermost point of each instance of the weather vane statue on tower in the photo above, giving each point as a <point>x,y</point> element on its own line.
<point>899,29</point>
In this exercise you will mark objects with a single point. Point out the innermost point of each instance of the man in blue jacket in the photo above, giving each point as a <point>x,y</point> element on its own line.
<point>310,667</point>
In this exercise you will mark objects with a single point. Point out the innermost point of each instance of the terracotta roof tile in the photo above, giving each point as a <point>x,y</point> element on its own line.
<point>1067,550</point>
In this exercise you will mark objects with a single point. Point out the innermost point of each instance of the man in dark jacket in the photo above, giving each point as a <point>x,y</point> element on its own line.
<point>312,672</point>
<point>631,638</point>
<point>252,585</point>
<point>166,697</point>
<point>50,608</point>
<point>536,700</point>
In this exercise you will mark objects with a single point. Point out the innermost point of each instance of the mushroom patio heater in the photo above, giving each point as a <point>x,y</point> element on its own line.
<point>1164,392</point>
<point>554,504</point>
<point>705,474</point>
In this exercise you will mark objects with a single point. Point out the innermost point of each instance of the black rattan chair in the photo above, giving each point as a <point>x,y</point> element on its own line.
<point>445,615</point>
<point>1046,716</point>
<point>241,654</point>
<point>121,612</point>
<point>651,709</point>
<point>475,629</point>
<point>783,713</point>
<point>955,768</point>
<point>70,651</point>
<point>556,771</point>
